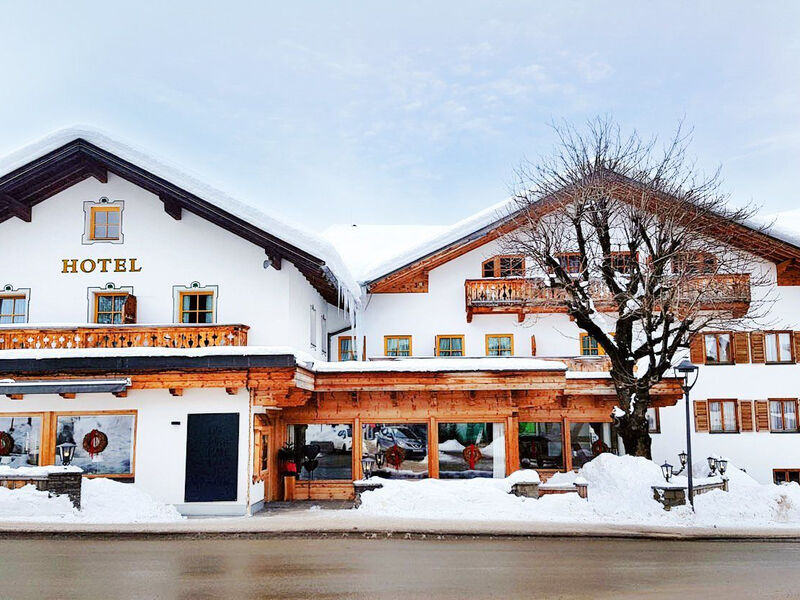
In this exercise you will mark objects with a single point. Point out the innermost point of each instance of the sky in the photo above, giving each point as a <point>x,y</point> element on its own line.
<point>405,112</point>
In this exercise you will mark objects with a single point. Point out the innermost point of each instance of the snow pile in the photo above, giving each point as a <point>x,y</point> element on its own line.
<point>619,493</point>
<point>102,501</point>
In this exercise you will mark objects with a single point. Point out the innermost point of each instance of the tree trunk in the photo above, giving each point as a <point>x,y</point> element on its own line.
<point>632,427</point>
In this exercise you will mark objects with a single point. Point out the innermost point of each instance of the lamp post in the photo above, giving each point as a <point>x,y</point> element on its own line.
<point>688,374</point>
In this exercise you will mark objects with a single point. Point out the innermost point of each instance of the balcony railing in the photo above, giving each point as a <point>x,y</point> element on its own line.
<point>122,336</point>
<point>730,293</point>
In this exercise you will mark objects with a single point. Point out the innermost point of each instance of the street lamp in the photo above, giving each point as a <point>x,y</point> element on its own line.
<point>65,452</point>
<point>666,470</point>
<point>367,464</point>
<point>688,374</point>
<point>712,464</point>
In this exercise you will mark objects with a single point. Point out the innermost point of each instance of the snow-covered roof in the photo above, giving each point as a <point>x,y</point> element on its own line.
<point>450,364</point>
<point>306,241</point>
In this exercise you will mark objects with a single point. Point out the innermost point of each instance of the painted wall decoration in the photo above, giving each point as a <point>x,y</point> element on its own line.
<point>104,442</point>
<point>20,435</point>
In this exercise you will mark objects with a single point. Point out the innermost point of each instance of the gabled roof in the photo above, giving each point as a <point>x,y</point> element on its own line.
<point>408,271</point>
<point>60,160</point>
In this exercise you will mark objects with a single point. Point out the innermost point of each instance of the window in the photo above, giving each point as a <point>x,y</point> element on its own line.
<point>695,263</point>
<point>197,307</point>
<point>13,309</point>
<point>718,348</point>
<point>504,266</point>
<point>335,443</point>
<point>25,431</point>
<point>323,333</point>
<point>722,416</point>
<point>622,261</point>
<point>590,347</point>
<point>570,262</point>
<point>499,345</point>
<point>402,449</point>
<point>541,446</point>
<point>312,326</point>
<point>109,309</point>
<point>347,348</point>
<point>590,440</point>
<point>778,346</point>
<point>783,415</point>
<point>468,450</point>
<point>397,345</point>
<point>653,420</point>
<point>104,442</point>
<point>105,223</point>
<point>786,475</point>
<point>449,345</point>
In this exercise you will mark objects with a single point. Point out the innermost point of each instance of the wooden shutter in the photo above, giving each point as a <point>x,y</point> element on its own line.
<point>129,309</point>
<point>746,419</point>
<point>757,346</point>
<point>762,415</point>
<point>796,337</point>
<point>700,415</point>
<point>741,350</point>
<point>697,350</point>
<point>533,345</point>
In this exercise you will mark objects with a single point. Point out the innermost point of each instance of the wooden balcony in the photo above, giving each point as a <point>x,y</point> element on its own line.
<point>521,296</point>
<point>122,336</point>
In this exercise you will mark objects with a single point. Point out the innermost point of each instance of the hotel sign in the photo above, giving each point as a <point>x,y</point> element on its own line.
<point>101,265</point>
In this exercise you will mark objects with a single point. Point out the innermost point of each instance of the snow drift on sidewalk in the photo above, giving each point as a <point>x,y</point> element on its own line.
<point>103,501</point>
<point>619,492</point>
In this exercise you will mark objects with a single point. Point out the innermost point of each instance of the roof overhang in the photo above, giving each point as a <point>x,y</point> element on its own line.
<point>10,387</point>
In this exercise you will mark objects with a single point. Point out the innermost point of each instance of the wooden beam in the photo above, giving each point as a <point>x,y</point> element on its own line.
<point>176,391</point>
<point>19,209</point>
<point>68,396</point>
<point>274,259</point>
<point>95,168</point>
<point>171,206</point>
<point>231,391</point>
<point>14,396</point>
<point>122,394</point>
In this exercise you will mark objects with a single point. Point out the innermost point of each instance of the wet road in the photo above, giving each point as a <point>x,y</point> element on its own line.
<point>398,569</point>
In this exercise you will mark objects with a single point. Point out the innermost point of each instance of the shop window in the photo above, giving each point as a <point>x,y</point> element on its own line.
<point>103,222</point>
<point>449,345</point>
<point>783,415</point>
<point>347,348</point>
<point>468,450</point>
<point>20,436</point>
<point>397,345</point>
<point>13,308</point>
<point>104,442</point>
<point>570,262</point>
<point>504,266</point>
<point>786,475</point>
<point>718,348</point>
<point>402,449</point>
<point>653,420</point>
<point>541,446</point>
<point>499,345</point>
<point>722,416</point>
<point>589,440</point>
<point>778,347</point>
<point>334,446</point>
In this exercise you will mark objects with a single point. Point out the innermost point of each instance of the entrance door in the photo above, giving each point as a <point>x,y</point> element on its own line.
<point>212,457</point>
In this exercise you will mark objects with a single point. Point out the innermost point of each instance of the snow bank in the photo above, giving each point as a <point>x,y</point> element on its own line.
<point>103,501</point>
<point>619,492</point>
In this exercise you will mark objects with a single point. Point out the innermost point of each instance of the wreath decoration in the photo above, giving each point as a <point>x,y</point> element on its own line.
<point>395,456</point>
<point>95,442</point>
<point>472,454</point>
<point>6,443</point>
<point>599,447</point>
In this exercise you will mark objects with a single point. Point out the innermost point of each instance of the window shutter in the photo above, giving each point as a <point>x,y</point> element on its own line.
<point>762,415</point>
<point>697,352</point>
<point>796,337</point>
<point>700,415</point>
<point>129,310</point>
<point>757,346</point>
<point>746,420</point>
<point>533,345</point>
<point>741,350</point>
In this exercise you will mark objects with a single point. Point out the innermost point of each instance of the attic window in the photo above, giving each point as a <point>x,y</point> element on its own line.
<point>103,222</point>
<point>504,266</point>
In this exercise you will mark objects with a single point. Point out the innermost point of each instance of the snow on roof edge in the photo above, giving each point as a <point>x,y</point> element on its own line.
<point>307,241</point>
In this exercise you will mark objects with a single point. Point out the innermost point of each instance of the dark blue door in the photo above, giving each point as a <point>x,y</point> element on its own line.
<point>212,457</point>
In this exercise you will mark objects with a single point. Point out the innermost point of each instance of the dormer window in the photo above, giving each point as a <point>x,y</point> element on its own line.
<point>504,266</point>
<point>103,222</point>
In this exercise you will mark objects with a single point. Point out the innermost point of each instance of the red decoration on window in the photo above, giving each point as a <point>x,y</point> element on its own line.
<point>6,443</point>
<point>395,456</point>
<point>95,442</point>
<point>472,454</point>
<point>599,447</point>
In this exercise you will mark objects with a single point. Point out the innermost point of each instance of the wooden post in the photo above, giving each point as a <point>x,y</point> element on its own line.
<point>47,444</point>
<point>358,449</point>
<point>567,444</point>
<point>512,444</point>
<point>433,448</point>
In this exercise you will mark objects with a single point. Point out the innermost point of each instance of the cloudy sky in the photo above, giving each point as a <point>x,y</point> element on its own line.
<point>412,112</point>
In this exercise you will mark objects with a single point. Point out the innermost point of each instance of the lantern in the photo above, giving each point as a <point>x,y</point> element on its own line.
<point>367,465</point>
<point>65,452</point>
<point>666,470</point>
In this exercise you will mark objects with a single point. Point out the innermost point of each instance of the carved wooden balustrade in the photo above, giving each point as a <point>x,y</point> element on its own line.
<point>122,336</point>
<point>520,296</point>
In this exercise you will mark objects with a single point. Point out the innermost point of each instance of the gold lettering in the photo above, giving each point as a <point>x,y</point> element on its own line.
<point>69,265</point>
<point>104,264</point>
<point>91,266</point>
<point>133,266</point>
<point>119,265</point>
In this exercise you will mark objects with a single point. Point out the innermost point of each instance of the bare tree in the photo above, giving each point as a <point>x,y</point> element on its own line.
<point>638,248</point>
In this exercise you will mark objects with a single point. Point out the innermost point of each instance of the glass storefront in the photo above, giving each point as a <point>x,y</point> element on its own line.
<point>401,449</point>
<point>103,442</point>
<point>469,450</point>
<point>588,440</point>
<point>20,440</point>
<point>541,446</point>
<point>323,451</point>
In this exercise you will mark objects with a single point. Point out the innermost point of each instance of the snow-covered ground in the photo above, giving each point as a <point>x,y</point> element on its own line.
<point>619,493</point>
<point>103,501</point>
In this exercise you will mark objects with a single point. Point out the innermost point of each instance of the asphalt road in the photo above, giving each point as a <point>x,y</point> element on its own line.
<point>463,569</point>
